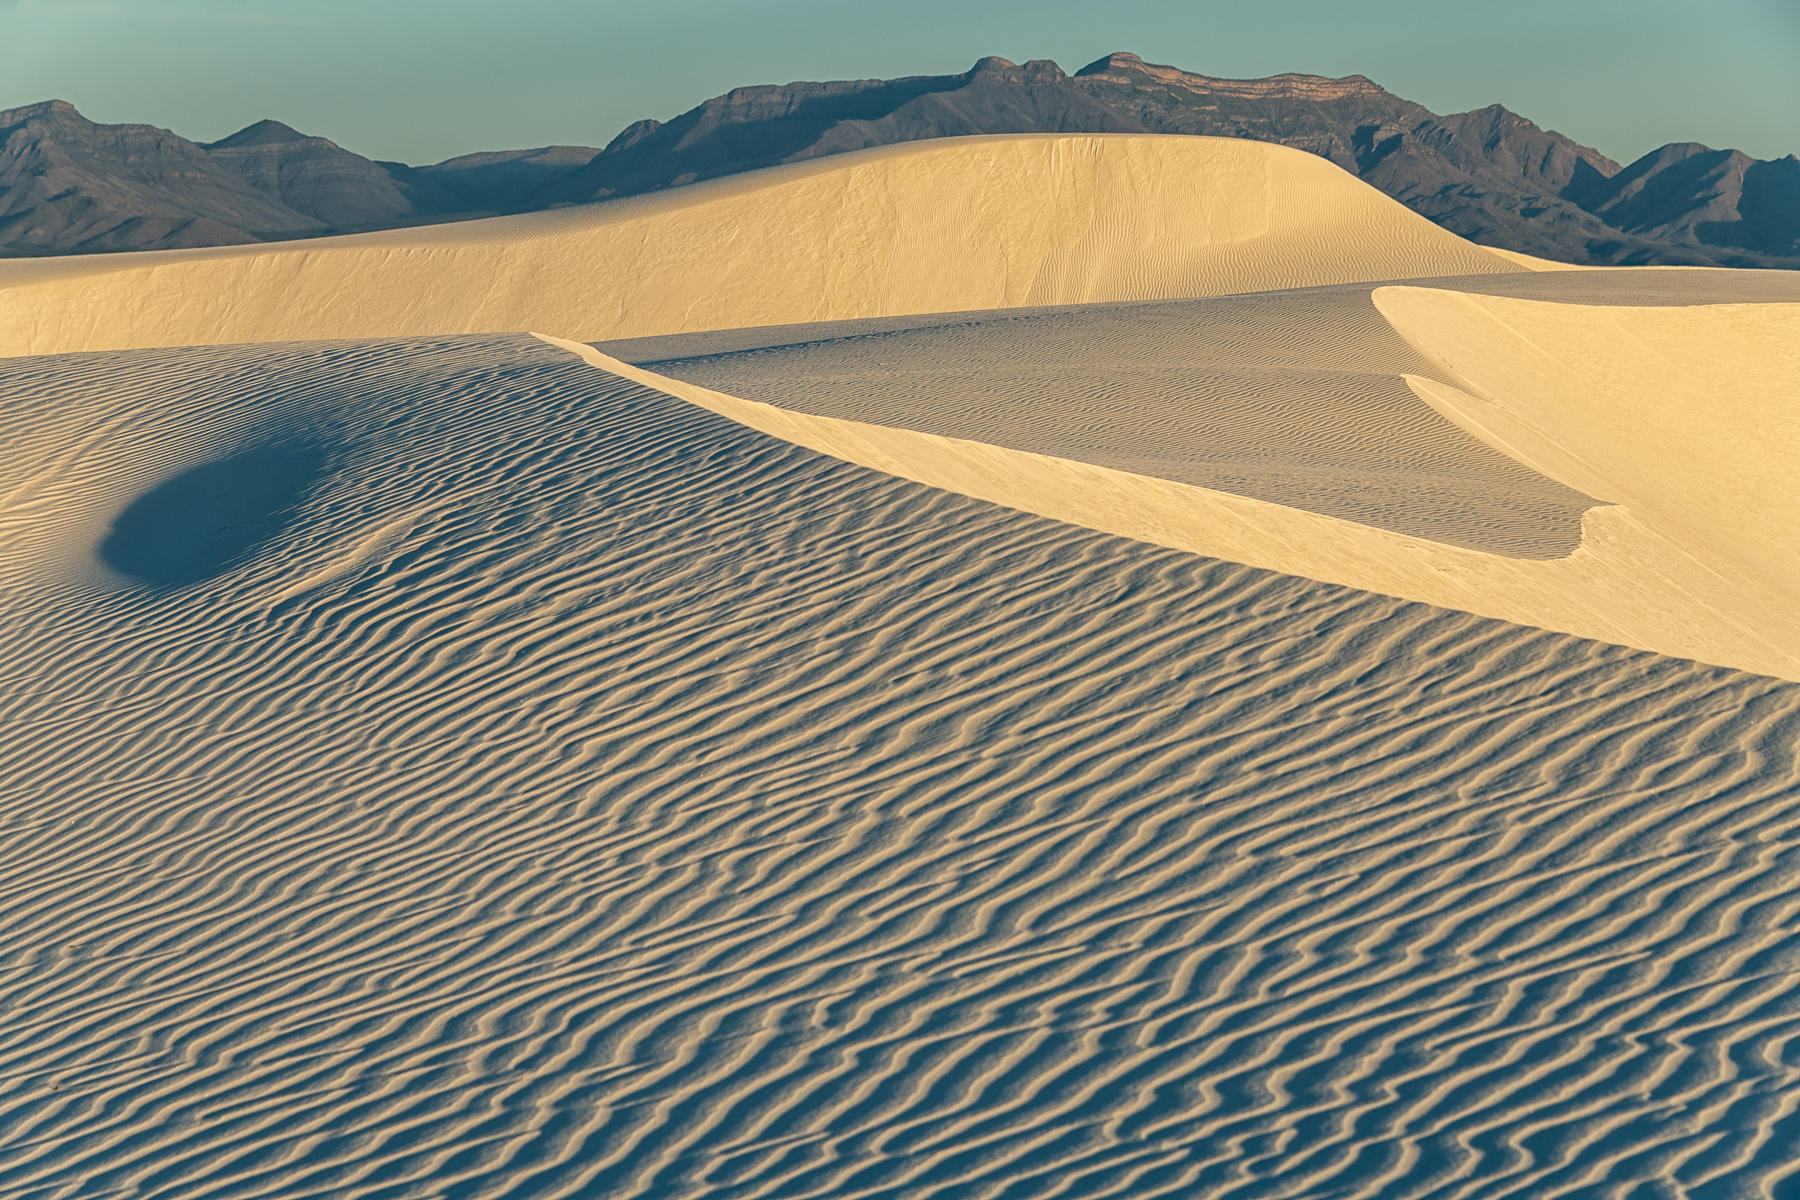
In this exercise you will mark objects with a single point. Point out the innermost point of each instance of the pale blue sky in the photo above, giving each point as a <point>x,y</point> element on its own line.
<point>403,79</point>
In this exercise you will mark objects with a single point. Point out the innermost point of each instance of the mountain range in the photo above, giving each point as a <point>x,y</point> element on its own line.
<point>69,185</point>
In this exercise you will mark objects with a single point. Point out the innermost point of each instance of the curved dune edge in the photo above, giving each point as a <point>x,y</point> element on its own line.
<point>938,226</point>
<point>1627,583</point>
<point>1532,262</point>
<point>1686,415</point>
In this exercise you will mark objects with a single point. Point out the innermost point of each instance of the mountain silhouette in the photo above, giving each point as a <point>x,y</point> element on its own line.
<point>70,185</point>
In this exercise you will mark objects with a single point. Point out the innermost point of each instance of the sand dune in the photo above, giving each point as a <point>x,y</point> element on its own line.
<point>1022,685</point>
<point>564,790</point>
<point>1299,398</point>
<point>961,223</point>
<point>1687,415</point>
<point>1645,573</point>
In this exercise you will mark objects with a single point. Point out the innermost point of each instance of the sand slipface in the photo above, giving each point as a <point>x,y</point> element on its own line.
<point>1690,416</point>
<point>1299,397</point>
<point>473,764</point>
<point>1642,576</point>
<point>961,223</point>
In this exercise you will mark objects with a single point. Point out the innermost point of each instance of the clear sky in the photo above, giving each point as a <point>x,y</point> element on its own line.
<point>418,81</point>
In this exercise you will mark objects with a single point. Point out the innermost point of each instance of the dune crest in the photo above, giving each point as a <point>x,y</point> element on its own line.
<point>1685,415</point>
<point>1636,579</point>
<point>953,224</point>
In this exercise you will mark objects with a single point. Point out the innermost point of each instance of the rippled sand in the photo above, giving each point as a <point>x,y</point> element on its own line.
<point>911,756</point>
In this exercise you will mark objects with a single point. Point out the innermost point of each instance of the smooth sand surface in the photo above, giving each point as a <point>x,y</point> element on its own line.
<point>542,786</point>
<point>1300,398</point>
<point>1689,416</point>
<point>960,223</point>
<point>1098,750</point>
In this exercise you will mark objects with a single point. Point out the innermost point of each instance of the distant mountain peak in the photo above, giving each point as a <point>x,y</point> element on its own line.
<point>1125,67</point>
<point>43,108</point>
<point>263,133</point>
<point>1003,70</point>
<point>632,134</point>
<point>1118,60</point>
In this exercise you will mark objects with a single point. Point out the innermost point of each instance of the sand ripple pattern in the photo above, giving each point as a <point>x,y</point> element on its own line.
<point>584,796</point>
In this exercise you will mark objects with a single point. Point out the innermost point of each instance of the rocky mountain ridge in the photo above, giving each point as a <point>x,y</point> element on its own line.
<point>69,185</point>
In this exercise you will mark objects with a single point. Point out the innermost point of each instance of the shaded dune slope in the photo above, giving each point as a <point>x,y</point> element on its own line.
<point>1298,398</point>
<point>575,792</point>
<point>961,223</point>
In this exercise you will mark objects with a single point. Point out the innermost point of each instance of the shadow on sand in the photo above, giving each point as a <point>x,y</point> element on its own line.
<point>214,516</point>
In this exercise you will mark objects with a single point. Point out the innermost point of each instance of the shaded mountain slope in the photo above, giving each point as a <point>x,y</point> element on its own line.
<point>1489,175</point>
<point>1687,192</point>
<point>67,183</point>
<point>494,180</point>
<point>312,176</point>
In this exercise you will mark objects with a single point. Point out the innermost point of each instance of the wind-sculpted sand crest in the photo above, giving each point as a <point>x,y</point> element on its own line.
<point>959,223</point>
<point>1642,575</point>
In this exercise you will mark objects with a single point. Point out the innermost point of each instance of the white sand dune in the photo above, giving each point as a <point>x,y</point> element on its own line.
<point>1688,416</point>
<point>547,787</point>
<point>961,223</point>
<point>1087,751</point>
<point>1655,567</point>
<point>1296,397</point>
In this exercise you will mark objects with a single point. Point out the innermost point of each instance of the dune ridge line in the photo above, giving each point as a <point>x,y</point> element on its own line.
<point>943,225</point>
<point>1632,581</point>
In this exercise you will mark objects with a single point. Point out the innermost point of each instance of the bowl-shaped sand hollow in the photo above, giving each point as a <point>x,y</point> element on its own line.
<point>215,515</point>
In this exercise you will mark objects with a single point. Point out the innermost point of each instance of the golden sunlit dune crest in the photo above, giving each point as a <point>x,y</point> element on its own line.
<point>961,223</point>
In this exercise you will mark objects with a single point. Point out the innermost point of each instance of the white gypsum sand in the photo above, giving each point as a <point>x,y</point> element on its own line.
<point>447,763</point>
<point>579,792</point>
<point>962,223</point>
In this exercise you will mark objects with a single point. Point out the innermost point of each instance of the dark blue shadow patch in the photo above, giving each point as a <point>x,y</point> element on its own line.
<point>215,516</point>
